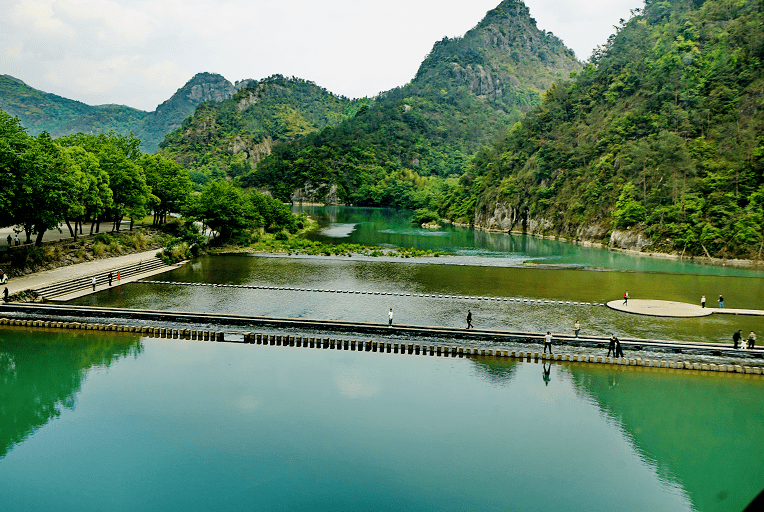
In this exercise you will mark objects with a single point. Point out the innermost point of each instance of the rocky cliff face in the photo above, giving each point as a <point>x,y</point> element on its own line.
<point>506,217</point>
<point>322,193</point>
<point>629,239</point>
<point>170,114</point>
<point>253,151</point>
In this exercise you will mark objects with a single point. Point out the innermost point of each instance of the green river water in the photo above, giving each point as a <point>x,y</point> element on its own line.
<point>98,422</point>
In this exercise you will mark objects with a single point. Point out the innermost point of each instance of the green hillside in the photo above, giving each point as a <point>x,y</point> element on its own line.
<point>229,137</point>
<point>467,91</point>
<point>40,111</point>
<point>657,143</point>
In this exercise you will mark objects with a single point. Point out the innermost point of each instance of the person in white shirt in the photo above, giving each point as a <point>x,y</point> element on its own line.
<point>548,342</point>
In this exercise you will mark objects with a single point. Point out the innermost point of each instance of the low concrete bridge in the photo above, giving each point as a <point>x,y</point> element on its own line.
<point>143,317</point>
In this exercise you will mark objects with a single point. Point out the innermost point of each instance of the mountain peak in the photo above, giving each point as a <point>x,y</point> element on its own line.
<point>502,57</point>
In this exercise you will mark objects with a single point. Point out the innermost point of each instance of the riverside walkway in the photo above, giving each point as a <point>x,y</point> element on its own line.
<point>73,281</point>
<point>667,308</point>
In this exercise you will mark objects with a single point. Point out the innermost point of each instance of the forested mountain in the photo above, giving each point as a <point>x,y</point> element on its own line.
<point>228,138</point>
<point>40,111</point>
<point>466,92</point>
<point>170,114</point>
<point>657,143</point>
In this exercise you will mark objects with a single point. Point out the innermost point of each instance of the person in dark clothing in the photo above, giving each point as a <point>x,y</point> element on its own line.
<point>469,319</point>
<point>736,338</point>
<point>625,298</point>
<point>5,294</point>
<point>611,345</point>
<point>10,240</point>
<point>720,300</point>
<point>546,373</point>
<point>109,277</point>
<point>618,348</point>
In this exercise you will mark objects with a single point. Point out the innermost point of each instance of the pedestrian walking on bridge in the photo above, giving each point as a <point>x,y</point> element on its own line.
<point>548,342</point>
<point>469,319</point>
<point>751,339</point>
<point>618,348</point>
<point>93,282</point>
<point>736,338</point>
<point>611,345</point>
<point>390,318</point>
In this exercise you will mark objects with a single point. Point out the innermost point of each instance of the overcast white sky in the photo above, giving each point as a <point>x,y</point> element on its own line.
<point>139,52</point>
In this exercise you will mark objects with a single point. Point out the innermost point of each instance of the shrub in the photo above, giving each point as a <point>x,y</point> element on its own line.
<point>424,215</point>
<point>98,249</point>
<point>104,238</point>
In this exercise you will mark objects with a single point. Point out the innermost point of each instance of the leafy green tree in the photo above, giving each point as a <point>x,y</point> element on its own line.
<point>14,146</point>
<point>130,193</point>
<point>45,187</point>
<point>169,183</point>
<point>225,208</point>
<point>628,209</point>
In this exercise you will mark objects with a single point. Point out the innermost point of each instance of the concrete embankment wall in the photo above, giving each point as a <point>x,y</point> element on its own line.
<point>410,348</point>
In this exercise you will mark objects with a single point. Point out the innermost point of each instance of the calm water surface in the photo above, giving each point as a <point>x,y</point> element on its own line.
<point>123,423</point>
<point>352,274</point>
<point>388,227</point>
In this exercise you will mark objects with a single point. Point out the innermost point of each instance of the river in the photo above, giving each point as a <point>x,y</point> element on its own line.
<point>94,421</point>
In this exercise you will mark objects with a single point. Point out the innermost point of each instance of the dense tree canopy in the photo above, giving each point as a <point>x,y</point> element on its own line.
<point>47,181</point>
<point>663,132</point>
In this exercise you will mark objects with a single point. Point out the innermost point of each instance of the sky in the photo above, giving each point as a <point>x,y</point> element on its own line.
<point>138,53</point>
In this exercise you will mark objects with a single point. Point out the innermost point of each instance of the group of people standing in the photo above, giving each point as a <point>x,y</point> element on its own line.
<point>13,240</point>
<point>738,341</point>
<point>720,300</point>
<point>110,278</point>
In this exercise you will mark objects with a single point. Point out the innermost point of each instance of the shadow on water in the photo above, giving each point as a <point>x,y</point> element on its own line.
<point>40,373</point>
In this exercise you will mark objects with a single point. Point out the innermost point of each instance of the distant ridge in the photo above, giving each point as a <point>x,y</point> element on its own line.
<point>40,111</point>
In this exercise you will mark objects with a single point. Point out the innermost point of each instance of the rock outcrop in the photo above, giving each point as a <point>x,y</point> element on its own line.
<point>629,239</point>
<point>323,193</point>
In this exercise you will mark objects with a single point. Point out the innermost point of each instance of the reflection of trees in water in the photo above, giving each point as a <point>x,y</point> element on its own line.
<point>41,372</point>
<point>498,372</point>
<point>699,432</point>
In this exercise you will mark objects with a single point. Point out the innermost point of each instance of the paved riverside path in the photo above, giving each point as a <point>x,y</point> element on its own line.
<point>86,269</point>
<point>668,308</point>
